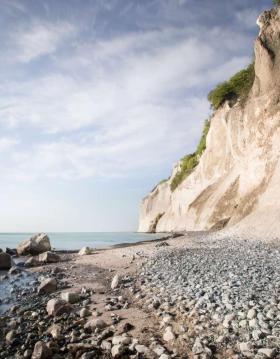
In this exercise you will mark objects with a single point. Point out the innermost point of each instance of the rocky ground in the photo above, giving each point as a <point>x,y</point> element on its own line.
<point>198,296</point>
<point>220,300</point>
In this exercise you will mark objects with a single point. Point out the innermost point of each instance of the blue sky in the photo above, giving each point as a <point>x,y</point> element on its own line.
<point>98,99</point>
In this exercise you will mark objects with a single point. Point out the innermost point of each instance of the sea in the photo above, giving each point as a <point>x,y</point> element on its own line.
<point>77,240</point>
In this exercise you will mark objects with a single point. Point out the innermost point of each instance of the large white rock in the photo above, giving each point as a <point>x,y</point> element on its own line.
<point>37,244</point>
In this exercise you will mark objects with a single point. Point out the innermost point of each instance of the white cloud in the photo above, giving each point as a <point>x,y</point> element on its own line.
<point>143,139</point>
<point>40,39</point>
<point>7,143</point>
<point>114,77</point>
<point>112,107</point>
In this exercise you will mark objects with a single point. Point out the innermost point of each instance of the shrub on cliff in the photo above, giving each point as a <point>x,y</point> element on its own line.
<point>276,2</point>
<point>202,143</point>
<point>189,162</point>
<point>237,87</point>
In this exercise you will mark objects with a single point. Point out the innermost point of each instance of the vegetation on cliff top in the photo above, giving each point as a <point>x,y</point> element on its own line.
<point>236,88</point>
<point>276,2</point>
<point>189,162</point>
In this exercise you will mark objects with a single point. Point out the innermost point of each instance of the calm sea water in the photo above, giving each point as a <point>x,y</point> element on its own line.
<point>79,240</point>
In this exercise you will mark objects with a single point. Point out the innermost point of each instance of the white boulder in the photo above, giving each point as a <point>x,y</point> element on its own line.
<point>37,244</point>
<point>85,251</point>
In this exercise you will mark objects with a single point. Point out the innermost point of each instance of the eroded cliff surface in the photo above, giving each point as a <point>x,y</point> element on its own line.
<point>237,180</point>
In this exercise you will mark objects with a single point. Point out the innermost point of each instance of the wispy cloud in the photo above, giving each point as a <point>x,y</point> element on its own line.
<point>7,143</point>
<point>40,39</point>
<point>112,104</point>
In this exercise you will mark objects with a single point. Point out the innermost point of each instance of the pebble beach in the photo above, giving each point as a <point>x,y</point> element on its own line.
<point>198,295</point>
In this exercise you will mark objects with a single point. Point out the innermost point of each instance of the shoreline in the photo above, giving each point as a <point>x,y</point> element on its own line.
<point>124,244</point>
<point>73,241</point>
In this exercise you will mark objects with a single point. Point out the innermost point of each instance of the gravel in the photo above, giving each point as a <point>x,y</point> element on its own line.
<point>225,292</point>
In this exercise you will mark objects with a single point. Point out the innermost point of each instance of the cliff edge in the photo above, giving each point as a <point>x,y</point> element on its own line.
<point>236,181</point>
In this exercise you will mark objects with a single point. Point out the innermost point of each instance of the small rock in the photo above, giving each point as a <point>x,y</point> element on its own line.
<point>141,349</point>
<point>115,282</point>
<point>251,314</point>
<point>32,262</point>
<point>118,350</point>
<point>48,285</point>
<point>198,347</point>
<point>93,324</point>
<point>269,353</point>
<point>48,257</point>
<point>84,312</point>
<point>246,350</point>
<point>41,351</point>
<point>105,345</point>
<point>27,354</point>
<point>85,251</point>
<point>56,307</point>
<point>168,334</point>
<point>55,331</point>
<point>70,297</point>
<point>164,356</point>
<point>121,339</point>
<point>10,336</point>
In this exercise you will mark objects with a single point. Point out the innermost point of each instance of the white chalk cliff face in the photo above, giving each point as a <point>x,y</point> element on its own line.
<point>237,181</point>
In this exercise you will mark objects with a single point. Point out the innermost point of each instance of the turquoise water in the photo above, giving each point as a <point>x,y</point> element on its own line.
<point>79,240</point>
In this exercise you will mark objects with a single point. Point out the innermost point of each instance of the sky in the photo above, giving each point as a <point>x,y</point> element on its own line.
<point>99,98</point>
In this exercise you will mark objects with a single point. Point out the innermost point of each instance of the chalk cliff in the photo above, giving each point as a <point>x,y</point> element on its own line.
<point>237,180</point>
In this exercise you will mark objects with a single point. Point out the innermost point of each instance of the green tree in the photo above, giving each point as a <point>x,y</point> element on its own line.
<point>276,2</point>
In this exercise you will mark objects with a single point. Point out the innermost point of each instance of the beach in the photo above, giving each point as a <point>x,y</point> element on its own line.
<point>192,296</point>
